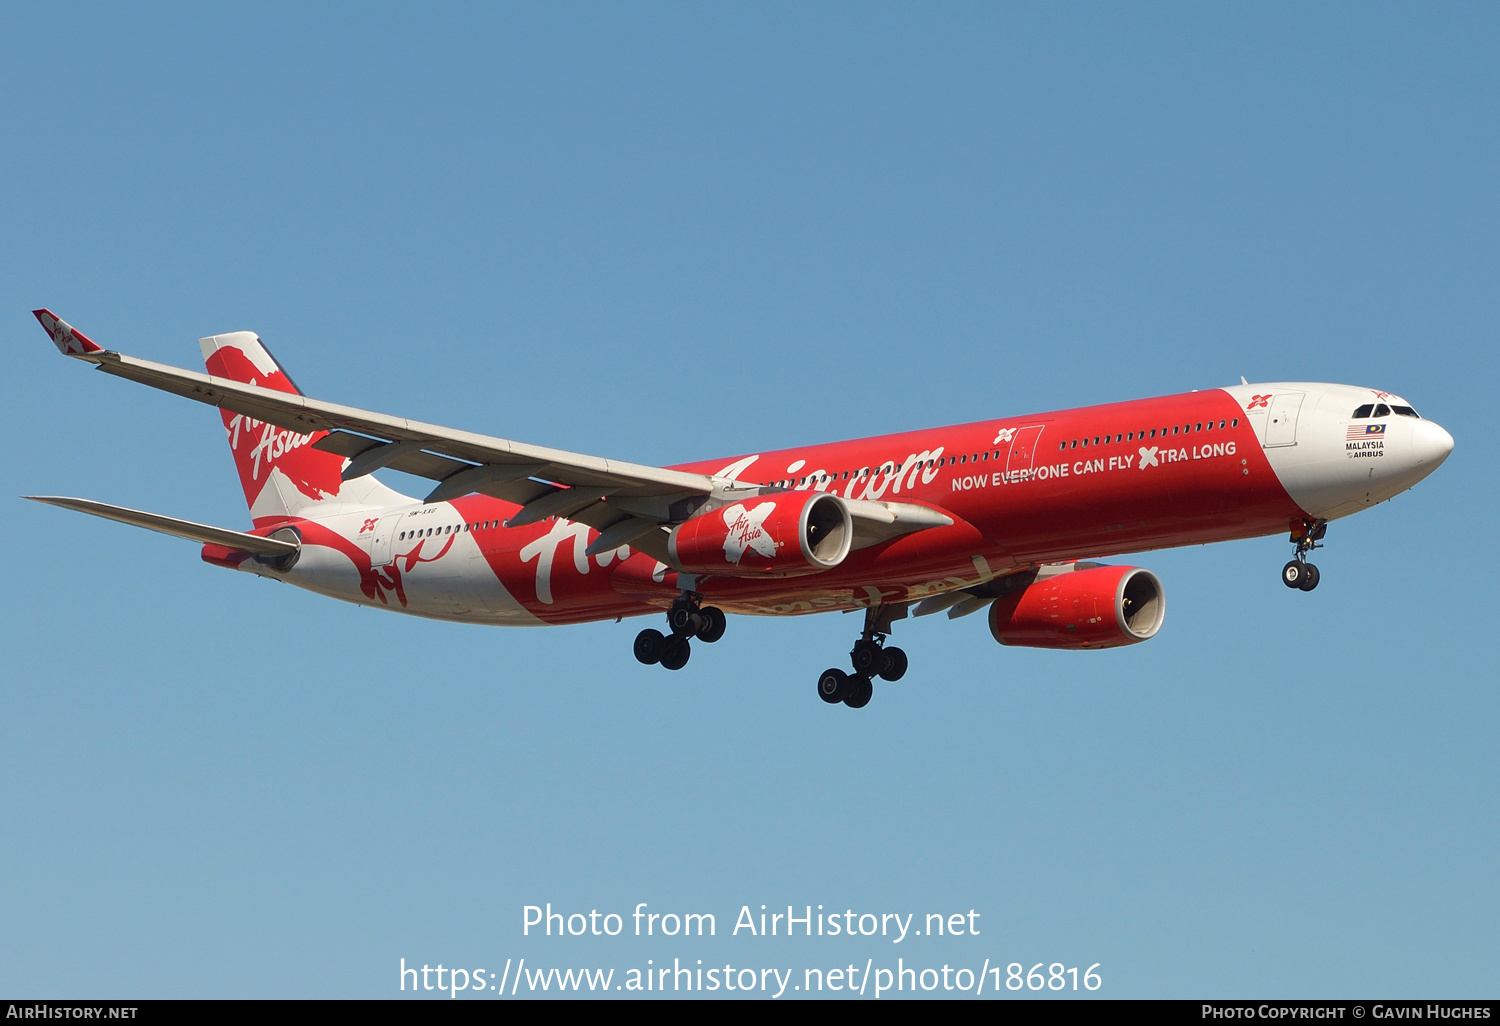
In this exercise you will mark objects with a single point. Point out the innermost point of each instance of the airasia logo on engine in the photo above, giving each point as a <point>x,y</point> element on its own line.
<point>747,530</point>
<point>755,538</point>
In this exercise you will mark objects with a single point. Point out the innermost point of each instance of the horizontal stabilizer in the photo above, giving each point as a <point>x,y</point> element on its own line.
<point>236,540</point>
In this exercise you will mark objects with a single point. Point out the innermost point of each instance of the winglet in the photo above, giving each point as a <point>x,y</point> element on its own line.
<point>68,339</point>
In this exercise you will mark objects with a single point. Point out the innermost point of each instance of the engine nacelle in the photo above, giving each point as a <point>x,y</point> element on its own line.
<point>1101,607</point>
<point>787,534</point>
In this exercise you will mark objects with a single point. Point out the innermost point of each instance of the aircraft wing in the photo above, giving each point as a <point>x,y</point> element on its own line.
<point>626,502</point>
<point>545,482</point>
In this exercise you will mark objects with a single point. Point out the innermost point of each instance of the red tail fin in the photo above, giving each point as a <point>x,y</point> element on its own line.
<point>281,472</point>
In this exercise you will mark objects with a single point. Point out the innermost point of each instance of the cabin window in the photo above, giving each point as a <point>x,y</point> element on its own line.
<point>1062,445</point>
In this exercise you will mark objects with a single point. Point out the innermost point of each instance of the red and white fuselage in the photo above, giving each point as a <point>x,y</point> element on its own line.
<point>1207,466</point>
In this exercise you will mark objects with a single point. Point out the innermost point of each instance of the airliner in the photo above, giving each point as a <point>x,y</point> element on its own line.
<point>1010,516</point>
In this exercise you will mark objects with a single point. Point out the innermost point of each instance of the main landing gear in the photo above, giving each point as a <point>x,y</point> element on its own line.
<point>687,619</point>
<point>1299,573</point>
<point>870,658</point>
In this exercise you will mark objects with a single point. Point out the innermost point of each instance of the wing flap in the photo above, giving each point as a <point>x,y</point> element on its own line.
<point>239,541</point>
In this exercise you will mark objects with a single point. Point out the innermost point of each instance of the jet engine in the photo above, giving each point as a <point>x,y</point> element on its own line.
<point>1100,607</point>
<point>786,534</point>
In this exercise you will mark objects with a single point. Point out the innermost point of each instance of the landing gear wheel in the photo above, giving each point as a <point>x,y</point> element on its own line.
<point>860,692</point>
<point>1299,573</point>
<point>675,652</point>
<point>714,623</point>
<point>684,619</point>
<point>868,657</point>
<point>648,646</point>
<point>833,686</point>
<point>895,665</point>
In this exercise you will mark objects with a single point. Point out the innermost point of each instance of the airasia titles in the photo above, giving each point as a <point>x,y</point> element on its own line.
<point>273,443</point>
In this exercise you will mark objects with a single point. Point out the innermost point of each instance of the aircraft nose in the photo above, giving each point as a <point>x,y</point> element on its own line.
<point>1430,444</point>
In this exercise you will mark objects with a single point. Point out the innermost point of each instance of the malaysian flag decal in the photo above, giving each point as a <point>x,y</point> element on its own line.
<point>1359,432</point>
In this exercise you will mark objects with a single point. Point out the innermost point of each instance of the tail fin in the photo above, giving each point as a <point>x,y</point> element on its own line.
<point>282,473</point>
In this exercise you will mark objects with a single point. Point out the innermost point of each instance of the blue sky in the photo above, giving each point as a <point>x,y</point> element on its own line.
<point>664,233</point>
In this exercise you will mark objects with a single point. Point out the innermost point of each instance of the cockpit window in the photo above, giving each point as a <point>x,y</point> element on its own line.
<point>1364,411</point>
<point>1382,410</point>
<point>1405,411</point>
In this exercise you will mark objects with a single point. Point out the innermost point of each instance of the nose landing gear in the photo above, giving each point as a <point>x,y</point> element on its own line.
<point>687,619</point>
<point>870,658</point>
<point>1299,573</point>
